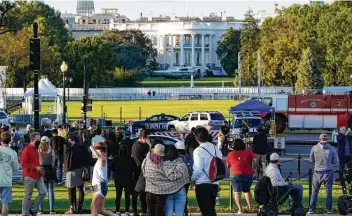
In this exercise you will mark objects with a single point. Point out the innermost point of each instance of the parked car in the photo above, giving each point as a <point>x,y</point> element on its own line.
<point>153,123</point>
<point>167,140</point>
<point>4,120</point>
<point>211,120</point>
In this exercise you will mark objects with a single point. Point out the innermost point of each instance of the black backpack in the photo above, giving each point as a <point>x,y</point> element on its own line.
<point>217,170</point>
<point>263,191</point>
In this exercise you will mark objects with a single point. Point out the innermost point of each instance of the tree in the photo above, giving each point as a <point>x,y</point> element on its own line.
<point>133,49</point>
<point>308,75</point>
<point>99,56</point>
<point>26,13</point>
<point>250,45</point>
<point>124,77</point>
<point>6,21</point>
<point>14,53</point>
<point>228,49</point>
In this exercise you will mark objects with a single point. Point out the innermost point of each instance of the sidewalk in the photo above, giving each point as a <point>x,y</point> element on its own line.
<point>195,214</point>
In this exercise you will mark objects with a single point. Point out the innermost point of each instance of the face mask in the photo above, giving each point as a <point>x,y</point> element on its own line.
<point>37,143</point>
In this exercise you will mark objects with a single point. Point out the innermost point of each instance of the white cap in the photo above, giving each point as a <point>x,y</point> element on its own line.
<point>274,157</point>
<point>180,145</point>
<point>45,139</point>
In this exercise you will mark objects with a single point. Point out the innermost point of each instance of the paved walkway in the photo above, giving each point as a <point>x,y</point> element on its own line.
<point>195,214</point>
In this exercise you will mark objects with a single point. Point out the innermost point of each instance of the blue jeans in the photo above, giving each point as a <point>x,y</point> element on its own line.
<point>50,188</point>
<point>318,178</point>
<point>176,202</point>
<point>59,164</point>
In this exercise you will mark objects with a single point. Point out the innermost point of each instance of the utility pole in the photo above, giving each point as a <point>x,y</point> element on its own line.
<point>259,61</point>
<point>34,59</point>
<point>239,77</point>
<point>85,93</point>
<point>86,101</point>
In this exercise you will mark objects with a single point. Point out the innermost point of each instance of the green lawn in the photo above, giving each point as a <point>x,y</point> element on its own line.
<point>203,82</point>
<point>130,109</point>
<point>61,200</point>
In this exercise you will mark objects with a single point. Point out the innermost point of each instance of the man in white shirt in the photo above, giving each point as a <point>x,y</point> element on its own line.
<point>8,164</point>
<point>206,191</point>
<point>273,172</point>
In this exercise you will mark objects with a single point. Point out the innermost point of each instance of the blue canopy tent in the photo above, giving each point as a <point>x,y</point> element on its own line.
<point>252,105</point>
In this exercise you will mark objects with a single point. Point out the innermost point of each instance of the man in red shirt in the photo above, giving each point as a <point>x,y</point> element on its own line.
<point>241,163</point>
<point>32,175</point>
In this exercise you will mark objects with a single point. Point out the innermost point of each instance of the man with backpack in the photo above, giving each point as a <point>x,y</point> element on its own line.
<point>208,169</point>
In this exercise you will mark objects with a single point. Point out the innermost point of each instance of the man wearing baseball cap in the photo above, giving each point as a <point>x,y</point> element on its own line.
<point>273,172</point>
<point>324,157</point>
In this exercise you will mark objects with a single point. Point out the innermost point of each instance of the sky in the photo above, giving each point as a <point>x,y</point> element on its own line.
<point>133,8</point>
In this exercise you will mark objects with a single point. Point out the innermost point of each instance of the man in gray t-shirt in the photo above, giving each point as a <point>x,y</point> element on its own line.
<point>324,157</point>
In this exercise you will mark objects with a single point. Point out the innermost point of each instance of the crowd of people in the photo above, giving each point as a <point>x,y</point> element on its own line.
<point>159,175</point>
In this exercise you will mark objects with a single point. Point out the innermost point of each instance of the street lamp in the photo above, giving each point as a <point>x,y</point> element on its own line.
<point>64,69</point>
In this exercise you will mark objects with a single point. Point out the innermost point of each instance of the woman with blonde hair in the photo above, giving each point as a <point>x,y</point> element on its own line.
<point>47,162</point>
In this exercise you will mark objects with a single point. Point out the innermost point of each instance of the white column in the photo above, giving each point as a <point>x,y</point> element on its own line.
<point>203,50</point>
<point>164,49</point>
<point>193,55</point>
<point>211,49</point>
<point>172,51</point>
<point>216,56</point>
<point>182,58</point>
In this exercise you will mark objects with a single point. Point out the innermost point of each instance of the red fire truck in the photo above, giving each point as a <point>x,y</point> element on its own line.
<point>306,111</point>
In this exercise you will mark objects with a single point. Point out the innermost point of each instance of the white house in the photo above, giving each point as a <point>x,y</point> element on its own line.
<point>190,41</point>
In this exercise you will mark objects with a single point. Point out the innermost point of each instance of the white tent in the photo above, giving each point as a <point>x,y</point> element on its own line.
<point>46,89</point>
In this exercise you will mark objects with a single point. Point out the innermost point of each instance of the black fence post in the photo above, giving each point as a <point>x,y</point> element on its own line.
<point>231,196</point>
<point>299,166</point>
<point>140,113</point>
<point>120,114</point>
<point>310,180</point>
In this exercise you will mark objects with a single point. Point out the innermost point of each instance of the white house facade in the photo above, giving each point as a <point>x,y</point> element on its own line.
<point>179,42</point>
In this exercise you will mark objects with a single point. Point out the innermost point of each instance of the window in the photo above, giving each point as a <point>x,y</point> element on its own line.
<point>170,118</point>
<point>217,116</point>
<point>204,117</point>
<point>194,117</point>
<point>154,118</point>
<point>155,41</point>
<point>252,123</point>
<point>185,117</point>
<point>3,115</point>
<point>268,101</point>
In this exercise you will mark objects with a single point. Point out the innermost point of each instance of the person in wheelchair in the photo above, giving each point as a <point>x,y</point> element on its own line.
<point>283,187</point>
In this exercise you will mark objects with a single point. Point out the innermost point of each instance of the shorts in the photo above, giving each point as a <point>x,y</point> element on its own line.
<point>101,189</point>
<point>241,183</point>
<point>6,195</point>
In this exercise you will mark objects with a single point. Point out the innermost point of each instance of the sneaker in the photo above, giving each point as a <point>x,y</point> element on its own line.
<point>40,212</point>
<point>127,214</point>
<point>329,212</point>
<point>310,212</point>
<point>118,214</point>
<point>52,212</point>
